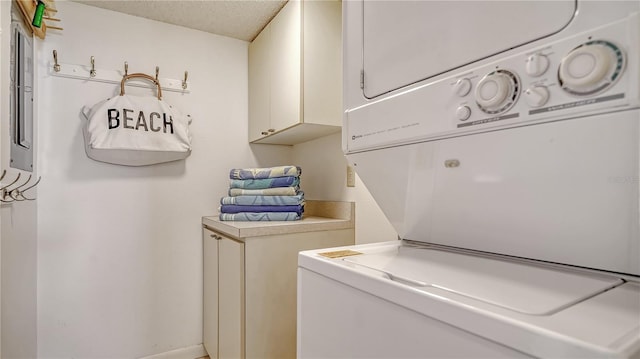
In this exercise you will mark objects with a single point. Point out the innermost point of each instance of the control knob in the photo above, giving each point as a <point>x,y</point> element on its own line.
<point>536,95</point>
<point>591,68</point>
<point>497,91</point>
<point>463,113</point>
<point>537,64</point>
<point>462,87</point>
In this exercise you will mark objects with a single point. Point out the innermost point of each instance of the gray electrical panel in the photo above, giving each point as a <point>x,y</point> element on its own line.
<point>21,99</point>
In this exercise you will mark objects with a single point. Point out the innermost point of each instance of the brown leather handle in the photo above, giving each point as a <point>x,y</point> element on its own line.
<point>141,76</point>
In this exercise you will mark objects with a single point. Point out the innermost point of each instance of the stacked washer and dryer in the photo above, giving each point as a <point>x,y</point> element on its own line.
<point>502,142</point>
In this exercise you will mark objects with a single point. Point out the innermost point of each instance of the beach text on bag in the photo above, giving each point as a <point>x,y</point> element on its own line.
<point>156,122</point>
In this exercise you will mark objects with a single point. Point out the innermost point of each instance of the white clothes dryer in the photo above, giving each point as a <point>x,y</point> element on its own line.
<point>502,142</point>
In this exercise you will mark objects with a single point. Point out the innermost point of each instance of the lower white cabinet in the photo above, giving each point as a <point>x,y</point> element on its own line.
<point>250,291</point>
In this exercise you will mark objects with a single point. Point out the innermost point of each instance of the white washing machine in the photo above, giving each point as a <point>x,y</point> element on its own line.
<point>502,142</point>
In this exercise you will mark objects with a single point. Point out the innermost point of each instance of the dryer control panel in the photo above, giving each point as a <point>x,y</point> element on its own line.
<point>552,79</point>
<point>592,72</point>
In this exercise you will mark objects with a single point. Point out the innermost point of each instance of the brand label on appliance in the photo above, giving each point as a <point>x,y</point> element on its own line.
<point>339,254</point>
<point>388,130</point>
<point>565,106</point>
<point>487,120</point>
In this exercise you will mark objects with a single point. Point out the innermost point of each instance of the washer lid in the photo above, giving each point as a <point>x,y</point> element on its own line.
<point>517,286</point>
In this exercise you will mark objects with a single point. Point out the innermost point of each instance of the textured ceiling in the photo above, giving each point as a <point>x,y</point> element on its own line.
<point>240,19</point>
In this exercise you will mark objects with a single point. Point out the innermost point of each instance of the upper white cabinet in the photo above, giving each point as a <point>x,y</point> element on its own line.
<point>295,74</point>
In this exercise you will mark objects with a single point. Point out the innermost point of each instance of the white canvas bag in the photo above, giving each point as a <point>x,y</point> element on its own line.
<point>136,130</point>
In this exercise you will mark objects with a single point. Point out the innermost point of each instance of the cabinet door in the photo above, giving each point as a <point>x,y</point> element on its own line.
<point>286,66</point>
<point>270,272</point>
<point>230,298</point>
<point>322,62</point>
<point>260,85</point>
<point>210,307</point>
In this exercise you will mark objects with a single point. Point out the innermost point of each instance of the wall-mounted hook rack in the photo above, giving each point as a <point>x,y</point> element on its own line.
<point>9,195</point>
<point>83,72</point>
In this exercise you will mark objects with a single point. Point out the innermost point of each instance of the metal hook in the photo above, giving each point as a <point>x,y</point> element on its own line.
<point>4,195</point>
<point>16,190</point>
<point>184,82</point>
<point>92,73</point>
<point>10,184</point>
<point>3,191</point>
<point>126,68</point>
<point>21,194</point>
<point>157,72</point>
<point>56,66</point>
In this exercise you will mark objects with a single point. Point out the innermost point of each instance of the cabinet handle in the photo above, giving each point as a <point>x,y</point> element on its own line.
<point>272,130</point>
<point>215,237</point>
<point>264,133</point>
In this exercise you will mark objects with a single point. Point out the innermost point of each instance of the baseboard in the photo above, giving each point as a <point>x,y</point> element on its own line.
<point>192,352</point>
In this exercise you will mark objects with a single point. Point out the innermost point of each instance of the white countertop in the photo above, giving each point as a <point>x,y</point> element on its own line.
<point>319,216</point>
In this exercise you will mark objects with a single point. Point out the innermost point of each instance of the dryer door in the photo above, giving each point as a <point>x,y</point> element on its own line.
<point>409,41</point>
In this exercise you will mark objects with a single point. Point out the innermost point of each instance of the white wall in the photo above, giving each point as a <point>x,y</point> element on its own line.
<point>324,176</point>
<point>18,233</point>
<point>119,248</point>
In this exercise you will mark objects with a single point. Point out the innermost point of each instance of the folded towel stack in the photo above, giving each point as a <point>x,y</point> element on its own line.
<point>263,194</point>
